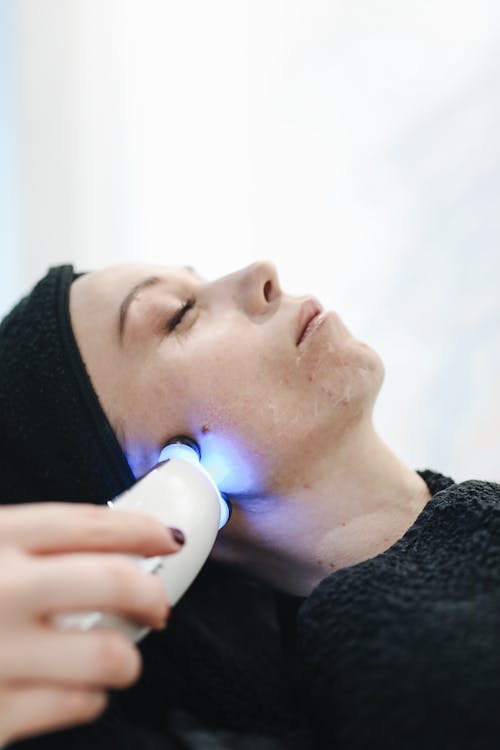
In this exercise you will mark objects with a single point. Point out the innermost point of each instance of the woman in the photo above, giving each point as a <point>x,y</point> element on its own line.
<point>401,633</point>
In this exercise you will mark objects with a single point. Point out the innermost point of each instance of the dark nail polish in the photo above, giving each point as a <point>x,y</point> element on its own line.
<point>178,535</point>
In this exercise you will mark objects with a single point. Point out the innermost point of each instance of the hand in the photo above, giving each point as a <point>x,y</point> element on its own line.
<point>52,561</point>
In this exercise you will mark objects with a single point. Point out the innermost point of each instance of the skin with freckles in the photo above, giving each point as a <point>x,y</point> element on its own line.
<point>283,392</point>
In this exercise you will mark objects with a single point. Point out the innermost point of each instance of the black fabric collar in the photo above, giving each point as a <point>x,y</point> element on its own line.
<point>434,481</point>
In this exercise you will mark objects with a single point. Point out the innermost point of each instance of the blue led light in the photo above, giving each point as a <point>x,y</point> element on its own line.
<point>180,450</point>
<point>230,463</point>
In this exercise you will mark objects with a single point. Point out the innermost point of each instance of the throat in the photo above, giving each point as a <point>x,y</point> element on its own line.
<point>349,509</point>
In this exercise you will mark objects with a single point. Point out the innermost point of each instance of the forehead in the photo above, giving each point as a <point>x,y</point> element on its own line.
<point>108,286</point>
<point>96,297</point>
<point>120,278</point>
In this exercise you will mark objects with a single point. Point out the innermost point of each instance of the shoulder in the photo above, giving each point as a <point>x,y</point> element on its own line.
<point>416,626</point>
<point>474,492</point>
<point>462,508</point>
<point>452,549</point>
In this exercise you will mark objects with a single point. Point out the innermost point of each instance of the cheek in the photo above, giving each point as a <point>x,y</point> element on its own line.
<point>231,411</point>
<point>255,411</point>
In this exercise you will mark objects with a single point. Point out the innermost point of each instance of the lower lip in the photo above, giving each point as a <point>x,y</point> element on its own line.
<point>313,326</point>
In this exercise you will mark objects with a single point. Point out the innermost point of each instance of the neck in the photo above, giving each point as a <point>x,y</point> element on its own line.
<point>350,505</point>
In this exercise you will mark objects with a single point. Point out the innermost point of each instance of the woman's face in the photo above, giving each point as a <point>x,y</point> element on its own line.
<point>260,379</point>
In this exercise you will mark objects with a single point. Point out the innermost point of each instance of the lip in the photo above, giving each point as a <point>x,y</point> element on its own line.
<point>309,310</point>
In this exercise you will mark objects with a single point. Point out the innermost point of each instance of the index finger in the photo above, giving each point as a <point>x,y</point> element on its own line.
<point>43,528</point>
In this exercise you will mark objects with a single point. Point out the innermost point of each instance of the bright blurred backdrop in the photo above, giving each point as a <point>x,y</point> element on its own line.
<point>355,144</point>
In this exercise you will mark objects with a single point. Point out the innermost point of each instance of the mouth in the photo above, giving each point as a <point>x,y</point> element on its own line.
<point>309,311</point>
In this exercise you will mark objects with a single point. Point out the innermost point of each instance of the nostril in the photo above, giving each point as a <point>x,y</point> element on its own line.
<point>268,288</point>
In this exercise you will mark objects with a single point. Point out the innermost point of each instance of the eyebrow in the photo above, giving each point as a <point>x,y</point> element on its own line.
<point>144,284</point>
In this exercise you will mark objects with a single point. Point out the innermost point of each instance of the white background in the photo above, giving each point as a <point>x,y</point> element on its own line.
<point>356,144</point>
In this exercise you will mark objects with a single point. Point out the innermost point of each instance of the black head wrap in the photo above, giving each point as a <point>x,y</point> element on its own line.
<point>56,443</point>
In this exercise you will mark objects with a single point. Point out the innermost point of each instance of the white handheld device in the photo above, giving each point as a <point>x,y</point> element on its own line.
<point>181,494</point>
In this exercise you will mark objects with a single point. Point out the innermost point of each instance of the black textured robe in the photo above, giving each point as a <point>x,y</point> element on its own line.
<point>401,651</point>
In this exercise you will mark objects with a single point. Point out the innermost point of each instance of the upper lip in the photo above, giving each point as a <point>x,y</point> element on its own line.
<point>308,310</point>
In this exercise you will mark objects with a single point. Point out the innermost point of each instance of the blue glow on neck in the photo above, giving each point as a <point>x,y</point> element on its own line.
<point>231,465</point>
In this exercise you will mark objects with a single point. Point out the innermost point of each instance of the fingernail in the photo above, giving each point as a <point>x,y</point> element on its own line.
<point>178,535</point>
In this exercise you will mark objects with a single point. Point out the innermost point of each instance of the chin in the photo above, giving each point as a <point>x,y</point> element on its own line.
<point>374,374</point>
<point>367,359</point>
<point>360,391</point>
<point>378,369</point>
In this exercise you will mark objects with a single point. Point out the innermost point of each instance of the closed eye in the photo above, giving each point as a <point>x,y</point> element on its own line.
<point>179,314</point>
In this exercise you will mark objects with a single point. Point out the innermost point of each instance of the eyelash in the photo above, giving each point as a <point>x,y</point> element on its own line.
<point>179,314</point>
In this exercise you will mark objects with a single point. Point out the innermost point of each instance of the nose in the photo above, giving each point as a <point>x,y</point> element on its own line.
<point>257,287</point>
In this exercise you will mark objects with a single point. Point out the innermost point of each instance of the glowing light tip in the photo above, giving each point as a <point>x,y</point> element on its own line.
<point>189,451</point>
<point>186,451</point>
